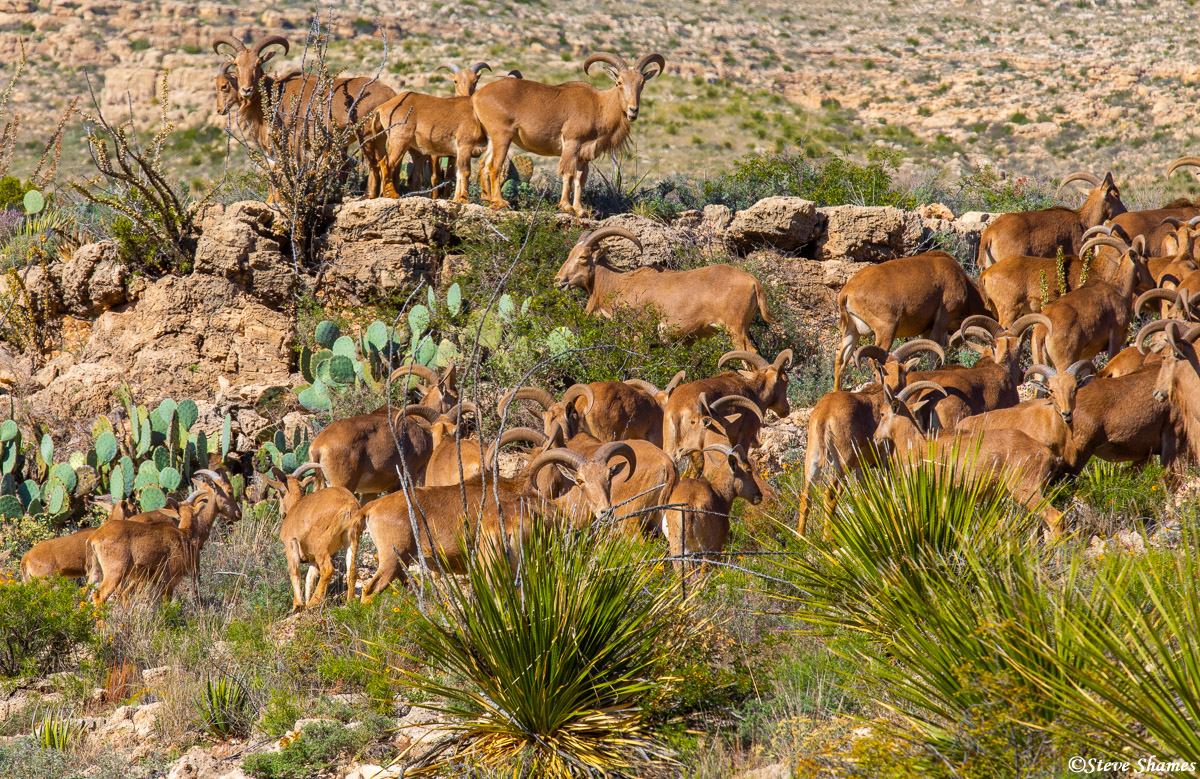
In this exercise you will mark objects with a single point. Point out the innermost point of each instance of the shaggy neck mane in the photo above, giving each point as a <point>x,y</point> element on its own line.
<point>615,123</point>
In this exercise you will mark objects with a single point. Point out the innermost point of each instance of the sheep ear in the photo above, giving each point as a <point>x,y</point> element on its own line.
<point>617,467</point>
<point>567,473</point>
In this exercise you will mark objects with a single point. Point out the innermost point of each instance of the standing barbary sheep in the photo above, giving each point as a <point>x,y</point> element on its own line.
<point>926,295</point>
<point>700,522</point>
<point>693,303</point>
<point>574,121</point>
<point>1042,233</point>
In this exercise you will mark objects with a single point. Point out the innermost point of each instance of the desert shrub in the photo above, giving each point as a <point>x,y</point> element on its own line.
<point>25,757</point>
<point>42,626</point>
<point>514,690</point>
<point>1122,489</point>
<point>222,708</point>
<point>318,747</point>
<point>989,189</point>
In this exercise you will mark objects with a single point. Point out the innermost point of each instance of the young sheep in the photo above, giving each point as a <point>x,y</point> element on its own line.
<point>700,523</point>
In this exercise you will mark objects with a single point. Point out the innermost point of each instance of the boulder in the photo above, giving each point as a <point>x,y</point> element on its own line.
<point>871,234</point>
<point>707,228</point>
<point>93,280</point>
<point>661,244</point>
<point>787,224</point>
<point>239,244</point>
<point>82,390</point>
<point>375,246</point>
<point>186,331</point>
<point>199,763</point>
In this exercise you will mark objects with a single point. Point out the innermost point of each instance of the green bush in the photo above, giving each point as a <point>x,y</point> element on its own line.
<point>319,746</point>
<point>222,708</point>
<point>511,685</point>
<point>43,625</point>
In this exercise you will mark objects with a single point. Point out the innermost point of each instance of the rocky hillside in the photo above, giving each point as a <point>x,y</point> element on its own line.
<point>1034,88</point>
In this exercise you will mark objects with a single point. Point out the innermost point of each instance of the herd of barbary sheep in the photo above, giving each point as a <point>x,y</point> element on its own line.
<point>672,461</point>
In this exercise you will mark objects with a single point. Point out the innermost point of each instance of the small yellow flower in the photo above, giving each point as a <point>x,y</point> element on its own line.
<point>396,609</point>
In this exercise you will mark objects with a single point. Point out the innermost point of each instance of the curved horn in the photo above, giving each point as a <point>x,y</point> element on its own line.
<point>568,457</point>
<point>536,394</point>
<point>653,58</point>
<point>1019,327</point>
<point>737,401</point>
<point>465,407</point>
<point>1149,329</point>
<point>272,40</point>
<point>781,359</point>
<point>1191,335</point>
<point>479,67</point>
<point>722,448</point>
<point>1079,175</point>
<point>514,73</point>
<point>450,66</point>
<point>964,336</point>
<point>309,466</point>
<point>1086,367</point>
<point>753,358</point>
<point>1169,295</point>
<point>1138,244</point>
<point>523,434</point>
<point>425,373</point>
<point>277,472</point>
<point>674,382</point>
<point>644,386</point>
<point>217,479</point>
<point>918,386</point>
<point>227,40</point>
<point>608,58</point>
<point>980,320</point>
<point>1037,369</point>
<point>1183,162</point>
<point>1097,230</point>
<point>576,391</point>
<point>191,497</point>
<point>616,449</point>
<point>1170,220</point>
<point>428,413</point>
<point>907,350</point>
<point>871,352</point>
<point>1104,240</point>
<point>612,231</point>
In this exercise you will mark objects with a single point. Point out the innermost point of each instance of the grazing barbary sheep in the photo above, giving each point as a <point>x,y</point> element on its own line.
<point>1042,233</point>
<point>700,523</point>
<point>606,410</point>
<point>926,295</point>
<point>360,452</point>
<point>574,121</point>
<point>693,303</point>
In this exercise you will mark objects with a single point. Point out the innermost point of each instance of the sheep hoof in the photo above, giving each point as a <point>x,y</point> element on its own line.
<point>499,204</point>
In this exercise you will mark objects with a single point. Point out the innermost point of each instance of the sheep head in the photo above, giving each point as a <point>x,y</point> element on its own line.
<point>772,375</point>
<point>592,476</point>
<point>579,270</point>
<point>292,486</point>
<point>439,391</point>
<point>1062,387</point>
<point>249,60</point>
<point>898,426</point>
<point>1103,200</point>
<point>1180,348</point>
<point>465,79</point>
<point>227,89</point>
<point>745,485</point>
<point>707,416</point>
<point>629,81</point>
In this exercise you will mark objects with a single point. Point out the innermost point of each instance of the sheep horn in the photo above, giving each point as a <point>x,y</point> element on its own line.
<point>1037,369</point>
<point>738,401</point>
<point>1172,338</point>
<point>428,413</point>
<point>1079,175</point>
<point>871,352</point>
<point>907,350</point>
<point>616,449</point>
<point>783,360</point>
<point>1019,327</point>
<point>1170,220</point>
<point>646,60</point>
<point>1104,240</point>
<point>190,497</point>
<point>308,466</point>
<point>1191,335</point>
<point>1169,295</point>
<point>980,320</point>
<point>277,472</point>
<point>272,40</point>
<point>568,457</point>
<point>450,66</point>
<point>1097,230</point>
<point>425,373</point>
<point>523,434</point>
<point>753,358</point>
<point>674,382</point>
<point>536,394</point>
<point>644,386</point>
<point>722,448</point>
<point>479,67</point>
<point>1086,367</point>
<point>514,73</point>
<point>1138,244</point>
<point>217,479</point>
<point>465,407</point>
<point>918,386</point>
<point>1183,162</point>
<point>576,391</point>
<point>702,404</point>
<point>227,40</point>
<point>979,332</point>
<point>964,336</point>
<point>1149,329</point>
<point>610,232</point>
<point>612,60</point>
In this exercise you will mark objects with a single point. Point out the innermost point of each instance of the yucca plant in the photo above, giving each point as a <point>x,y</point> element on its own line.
<point>56,731</point>
<point>222,708</point>
<point>553,669</point>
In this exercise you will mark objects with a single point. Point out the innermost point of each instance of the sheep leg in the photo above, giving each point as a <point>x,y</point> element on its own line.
<point>105,591</point>
<point>497,155</point>
<point>390,569</point>
<point>580,181</point>
<point>568,166</point>
<point>435,176</point>
<point>352,562</point>
<point>326,564</point>
<point>462,176</point>
<point>941,324</point>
